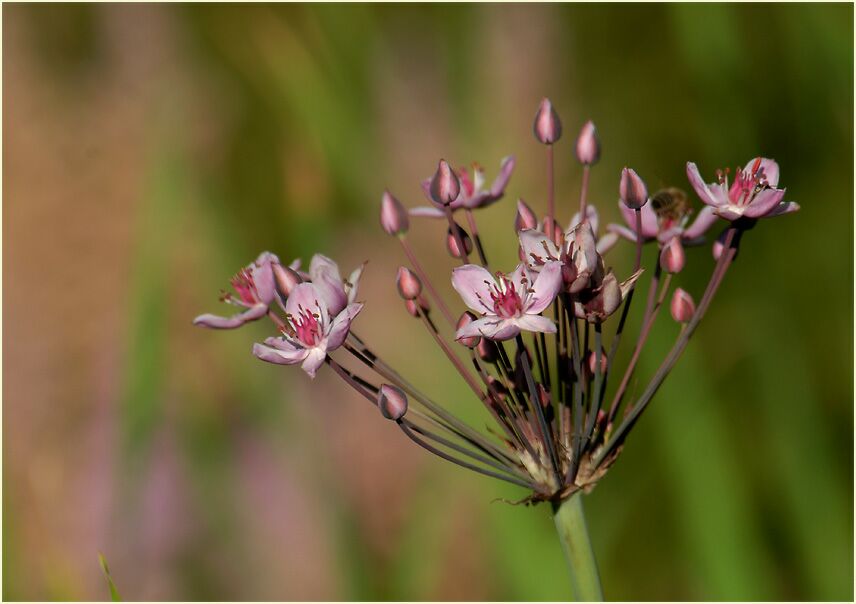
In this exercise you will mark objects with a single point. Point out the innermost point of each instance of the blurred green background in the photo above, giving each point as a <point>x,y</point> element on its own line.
<point>151,150</point>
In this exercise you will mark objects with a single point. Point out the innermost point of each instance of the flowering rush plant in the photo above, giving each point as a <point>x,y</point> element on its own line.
<point>536,343</point>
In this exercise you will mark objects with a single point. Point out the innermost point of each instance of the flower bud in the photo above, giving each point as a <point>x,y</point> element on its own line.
<point>417,306</point>
<point>465,320</point>
<point>409,285</point>
<point>392,402</point>
<point>632,189</point>
<point>592,361</point>
<point>672,257</point>
<point>445,185</point>
<point>683,307</point>
<point>547,126</point>
<point>588,145</point>
<point>525,218</point>
<point>393,216</point>
<point>286,278</point>
<point>452,242</point>
<point>487,351</point>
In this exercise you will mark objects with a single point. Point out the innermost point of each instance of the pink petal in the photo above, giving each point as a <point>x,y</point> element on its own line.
<point>536,323</point>
<point>621,231</point>
<point>764,202</point>
<point>328,282</point>
<point>649,220</point>
<point>785,207</point>
<point>341,325</point>
<point>353,282</point>
<point>494,328</point>
<point>427,212</point>
<point>306,297</point>
<point>701,188</point>
<point>279,357</point>
<point>522,279</point>
<point>314,360</point>
<point>537,248</point>
<point>262,273</point>
<point>606,243</point>
<point>216,322</point>
<point>501,181</point>
<point>703,221</point>
<point>473,284</point>
<point>591,215</point>
<point>770,168</point>
<point>545,289</point>
<point>729,212</point>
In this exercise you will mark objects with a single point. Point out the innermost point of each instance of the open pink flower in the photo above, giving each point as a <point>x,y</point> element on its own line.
<point>310,331</point>
<point>473,195</point>
<point>663,229</point>
<point>508,304</point>
<point>578,255</point>
<point>255,292</point>
<point>753,193</point>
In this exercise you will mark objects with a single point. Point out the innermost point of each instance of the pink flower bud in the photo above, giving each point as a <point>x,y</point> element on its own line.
<point>683,307</point>
<point>588,145</point>
<point>632,189</point>
<point>672,258</point>
<point>466,319</point>
<point>445,185</point>
<point>452,242</point>
<point>393,216</point>
<point>409,285</point>
<point>547,126</point>
<point>417,306</point>
<point>392,402</point>
<point>592,361</point>
<point>525,218</point>
<point>286,278</point>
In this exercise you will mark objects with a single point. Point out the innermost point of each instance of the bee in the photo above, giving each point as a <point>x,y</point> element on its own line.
<point>671,205</point>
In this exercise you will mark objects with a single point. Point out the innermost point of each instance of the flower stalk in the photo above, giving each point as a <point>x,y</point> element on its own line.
<point>573,534</point>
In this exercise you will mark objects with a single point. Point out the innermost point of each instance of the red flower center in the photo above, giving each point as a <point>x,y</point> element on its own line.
<point>506,301</point>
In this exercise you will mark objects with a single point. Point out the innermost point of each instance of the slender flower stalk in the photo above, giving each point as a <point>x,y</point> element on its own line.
<point>537,346</point>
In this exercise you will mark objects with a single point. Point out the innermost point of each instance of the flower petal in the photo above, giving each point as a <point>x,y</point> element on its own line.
<point>279,357</point>
<point>769,167</point>
<point>314,360</point>
<point>328,282</point>
<point>353,282</point>
<point>649,219</point>
<point>217,322</point>
<point>473,284</point>
<point>785,207</point>
<point>705,219</point>
<point>501,181</point>
<point>427,212</point>
<point>262,272</point>
<point>591,215</point>
<point>537,248</point>
<point>306,297</point>
<point>622,231</point>
<point>764,202</point>
<point>701,188</point>
<point>492,328</point>
<point>341,325</point>
<point>545,288</point>
<point>536,323</point>
<point>606,243</point>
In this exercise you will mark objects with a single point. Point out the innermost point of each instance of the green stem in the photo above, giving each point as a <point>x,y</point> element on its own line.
<point>571,526</point>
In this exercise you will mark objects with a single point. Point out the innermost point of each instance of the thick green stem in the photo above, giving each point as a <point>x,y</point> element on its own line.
<point>571,526</point>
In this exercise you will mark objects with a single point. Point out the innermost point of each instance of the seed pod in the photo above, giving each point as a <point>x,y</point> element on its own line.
<point>632,189</point>
<point>392,402</point>
<point>547,126</point>
<point>683,307</point>
<point>393,216</point>
<point>466,319</point>
<point>445,185</point>
<point>452,242</point>
<point>672,257</point>
<point>409,285</point>
<point>588,145</point>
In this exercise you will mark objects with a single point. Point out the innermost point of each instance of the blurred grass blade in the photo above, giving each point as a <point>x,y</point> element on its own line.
<point>114,593</point>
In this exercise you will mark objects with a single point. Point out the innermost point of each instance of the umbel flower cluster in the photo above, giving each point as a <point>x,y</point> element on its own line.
<point>537,344</point>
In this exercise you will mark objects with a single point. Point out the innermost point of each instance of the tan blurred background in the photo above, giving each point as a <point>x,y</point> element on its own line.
<point>152,150</point>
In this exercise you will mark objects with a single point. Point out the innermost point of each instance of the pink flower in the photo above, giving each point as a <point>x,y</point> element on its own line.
<point>255,289</point>
<point>666,228</point>
<point>310,331</point>
<point>337,293</point>
<point>472,193</point>
<point>578,256</point>
<point>753,193</point>
<point>510,304</point>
